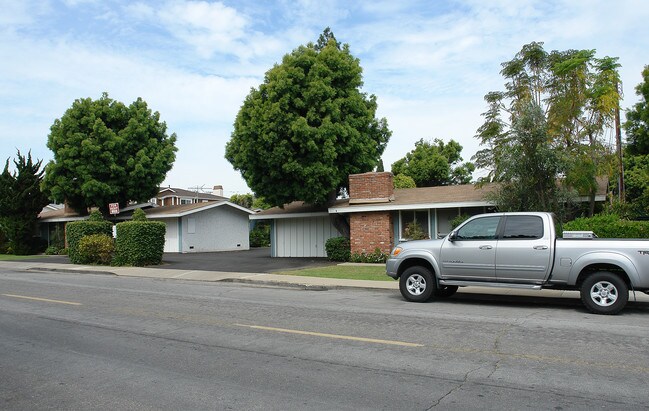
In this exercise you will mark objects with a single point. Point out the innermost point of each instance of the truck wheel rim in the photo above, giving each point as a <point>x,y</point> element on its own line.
<point>603,294</point>
<point>416,284</point>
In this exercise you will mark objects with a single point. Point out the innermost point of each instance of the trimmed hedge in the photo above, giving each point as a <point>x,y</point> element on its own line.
<point>139,243</point>
<point>338,249</point>
<point>77,230</point>
<point>96,249</point>
<point>260,235</point>
<point>609,226</point>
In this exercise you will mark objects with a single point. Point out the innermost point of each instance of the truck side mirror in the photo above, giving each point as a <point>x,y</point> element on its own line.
<point>452,236</point>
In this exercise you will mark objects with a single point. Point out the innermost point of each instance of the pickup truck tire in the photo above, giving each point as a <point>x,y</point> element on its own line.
<point>417,284</point>
<point>604,293</point>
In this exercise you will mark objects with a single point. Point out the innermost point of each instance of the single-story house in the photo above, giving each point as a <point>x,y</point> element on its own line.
<point>378,215</point>
<point>197,227</point>
<point>204,227</point>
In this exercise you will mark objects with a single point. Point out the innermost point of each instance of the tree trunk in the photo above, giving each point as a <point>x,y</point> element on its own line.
<point>591,203</point>
<point>341,223</point>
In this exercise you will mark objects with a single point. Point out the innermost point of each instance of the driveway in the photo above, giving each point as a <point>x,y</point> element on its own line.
<point>255,260</point>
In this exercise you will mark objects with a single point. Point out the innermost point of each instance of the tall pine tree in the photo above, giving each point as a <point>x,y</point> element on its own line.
<point>21,199</point>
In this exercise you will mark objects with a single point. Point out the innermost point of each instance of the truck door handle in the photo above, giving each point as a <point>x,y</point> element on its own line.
<point>540,247</point>
<point>486,247</point>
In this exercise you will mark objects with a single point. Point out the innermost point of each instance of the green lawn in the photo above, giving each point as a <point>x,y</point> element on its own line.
<point>11,257</point>
<point>349,272</point>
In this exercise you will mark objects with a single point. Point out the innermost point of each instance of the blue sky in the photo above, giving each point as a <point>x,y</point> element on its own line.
<point>428,62</point>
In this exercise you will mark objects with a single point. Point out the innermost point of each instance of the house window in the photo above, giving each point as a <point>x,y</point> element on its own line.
<point>414,224</point>
<point>185,201</point>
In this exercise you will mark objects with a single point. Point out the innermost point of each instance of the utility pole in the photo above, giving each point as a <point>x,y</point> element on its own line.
<point>618,143</point>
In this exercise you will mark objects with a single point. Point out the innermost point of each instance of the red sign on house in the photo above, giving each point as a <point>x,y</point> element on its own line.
<point>113,208</point>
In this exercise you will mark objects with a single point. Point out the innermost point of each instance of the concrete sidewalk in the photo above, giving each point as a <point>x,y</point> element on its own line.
<point>202,275</point>
<point>271,279</point>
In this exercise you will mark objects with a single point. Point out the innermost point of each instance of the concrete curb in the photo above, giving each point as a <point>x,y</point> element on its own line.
<point>68,270</point>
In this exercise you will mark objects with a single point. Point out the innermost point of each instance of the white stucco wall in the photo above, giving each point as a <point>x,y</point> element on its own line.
<point>171,235</point>
<point>216,229</point>
<point>302,237</point>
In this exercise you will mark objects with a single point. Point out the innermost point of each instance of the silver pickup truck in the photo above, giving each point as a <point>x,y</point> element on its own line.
<point>521,250</point>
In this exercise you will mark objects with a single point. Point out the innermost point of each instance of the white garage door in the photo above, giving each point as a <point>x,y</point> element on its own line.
<point>303,237</point>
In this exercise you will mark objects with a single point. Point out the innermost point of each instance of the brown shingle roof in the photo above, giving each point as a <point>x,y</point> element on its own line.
<point>408,198</point>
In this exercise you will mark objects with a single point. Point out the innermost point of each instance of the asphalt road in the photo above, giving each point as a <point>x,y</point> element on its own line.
<point>80,341</point>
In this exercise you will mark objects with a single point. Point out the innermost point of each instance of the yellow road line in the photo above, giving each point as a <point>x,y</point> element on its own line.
<point>41,299</point>
<point>335,336</point>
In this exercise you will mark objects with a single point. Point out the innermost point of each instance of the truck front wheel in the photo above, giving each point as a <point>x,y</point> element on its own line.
<point>417,284</point>
<point>604,293</point>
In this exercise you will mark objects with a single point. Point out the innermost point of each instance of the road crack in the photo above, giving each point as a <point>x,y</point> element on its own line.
<point>454,389</point>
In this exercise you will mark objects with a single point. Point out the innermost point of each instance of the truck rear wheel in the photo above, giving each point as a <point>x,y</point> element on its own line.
<point>604,293</point>
<point>417,284</point>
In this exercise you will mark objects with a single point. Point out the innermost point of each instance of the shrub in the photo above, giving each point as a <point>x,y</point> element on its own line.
<point>338,248</point>
<point>414,231</point>
<point>52,250</point>
<point>140,242</point>
<point>96,249</point>
<point>609,226</point>
<point>377,257</point>
<point>260,235</point>
<point>76,230</point>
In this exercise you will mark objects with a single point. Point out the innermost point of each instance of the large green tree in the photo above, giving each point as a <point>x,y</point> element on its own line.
<point>578,95</point>
<point>21,200</point>
<point>636,161</point>
<point>107,152</point>
<point>301,133</point>
<point>435,164</point>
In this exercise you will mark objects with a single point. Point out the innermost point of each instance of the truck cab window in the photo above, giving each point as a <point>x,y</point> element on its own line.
<point>523,227</point>
<point>479,229</point>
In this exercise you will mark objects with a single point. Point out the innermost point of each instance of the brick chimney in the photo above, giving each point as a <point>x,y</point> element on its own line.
<point>371,187</point>
<point>218,190</point>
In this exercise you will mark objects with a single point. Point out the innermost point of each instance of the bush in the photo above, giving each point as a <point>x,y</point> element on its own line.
<point>260,235</point>
<point>414,231</point>
<point>140,243</point>
<point>96,249</point>
<point>338,248</point>
<point>609,226</point>
<point>77,230</point>
<point>377,257</point>
<point>52,250</point>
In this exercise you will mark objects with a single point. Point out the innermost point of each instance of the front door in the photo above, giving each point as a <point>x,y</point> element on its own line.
<point>472,253</point>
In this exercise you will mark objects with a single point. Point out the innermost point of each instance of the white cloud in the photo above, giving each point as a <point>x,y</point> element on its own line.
<point>207,27</point>
<point>21,13</point>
